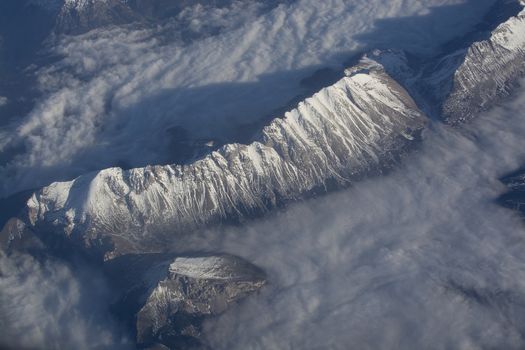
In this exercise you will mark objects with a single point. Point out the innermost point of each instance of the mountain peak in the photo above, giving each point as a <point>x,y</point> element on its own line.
<point>354,127</point>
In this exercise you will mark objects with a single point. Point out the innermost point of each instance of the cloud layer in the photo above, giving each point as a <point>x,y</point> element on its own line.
<point>419,258</point>
<point>45,304</point>
<point>113,94</point>
<point>422,258</point>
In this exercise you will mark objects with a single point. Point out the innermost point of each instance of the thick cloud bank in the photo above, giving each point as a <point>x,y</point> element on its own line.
<point>421,258</point>
<point>44,304</point>
<point>114,95</point>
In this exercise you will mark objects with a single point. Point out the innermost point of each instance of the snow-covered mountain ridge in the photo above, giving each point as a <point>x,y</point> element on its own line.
<point>488,72</point>
<point>359,124</point>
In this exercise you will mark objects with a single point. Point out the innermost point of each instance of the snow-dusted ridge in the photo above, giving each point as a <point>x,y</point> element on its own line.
<point>488,71</point>
<point>345,130</point>
<point>220,267</point>
<point>359,124</point>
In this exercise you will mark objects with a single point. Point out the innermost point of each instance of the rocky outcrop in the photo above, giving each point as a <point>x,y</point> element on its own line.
<point>171,296</point>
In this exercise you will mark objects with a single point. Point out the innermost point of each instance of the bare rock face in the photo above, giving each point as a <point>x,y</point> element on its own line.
<point>191,289</point>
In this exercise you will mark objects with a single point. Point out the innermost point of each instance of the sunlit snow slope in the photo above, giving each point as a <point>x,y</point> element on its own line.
<point>357,125</point>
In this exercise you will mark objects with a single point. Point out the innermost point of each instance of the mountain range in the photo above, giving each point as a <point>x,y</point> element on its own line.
<point>129,220</point>
<point>356,127</point>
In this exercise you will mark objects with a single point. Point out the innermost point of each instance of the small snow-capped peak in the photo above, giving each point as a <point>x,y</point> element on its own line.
<point>220,267</point>
<point>392,62</point>
<point>194,288</point>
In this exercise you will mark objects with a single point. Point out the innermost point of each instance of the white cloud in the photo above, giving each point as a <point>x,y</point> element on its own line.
<point>421,258</point>
<point>3,101</point>
<point>45,305</point>
<point>418,258</point>
<point>114,94</point>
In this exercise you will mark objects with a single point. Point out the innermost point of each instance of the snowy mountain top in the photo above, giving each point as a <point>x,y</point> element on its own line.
<point>223,267</point>
<point>511,34</point>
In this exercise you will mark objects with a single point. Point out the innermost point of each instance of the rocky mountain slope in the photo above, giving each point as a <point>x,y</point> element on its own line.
<point>193,288</point>
<point>473,72</point>
<point>488,71</point>
<point>358,125</point>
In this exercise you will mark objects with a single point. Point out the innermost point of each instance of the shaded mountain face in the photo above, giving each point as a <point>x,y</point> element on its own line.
<point>23,26</point>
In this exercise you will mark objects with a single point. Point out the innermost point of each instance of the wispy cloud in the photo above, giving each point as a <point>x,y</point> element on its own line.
<point>111,97</point>
<point>44,304</point>
<point>420,258</point>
